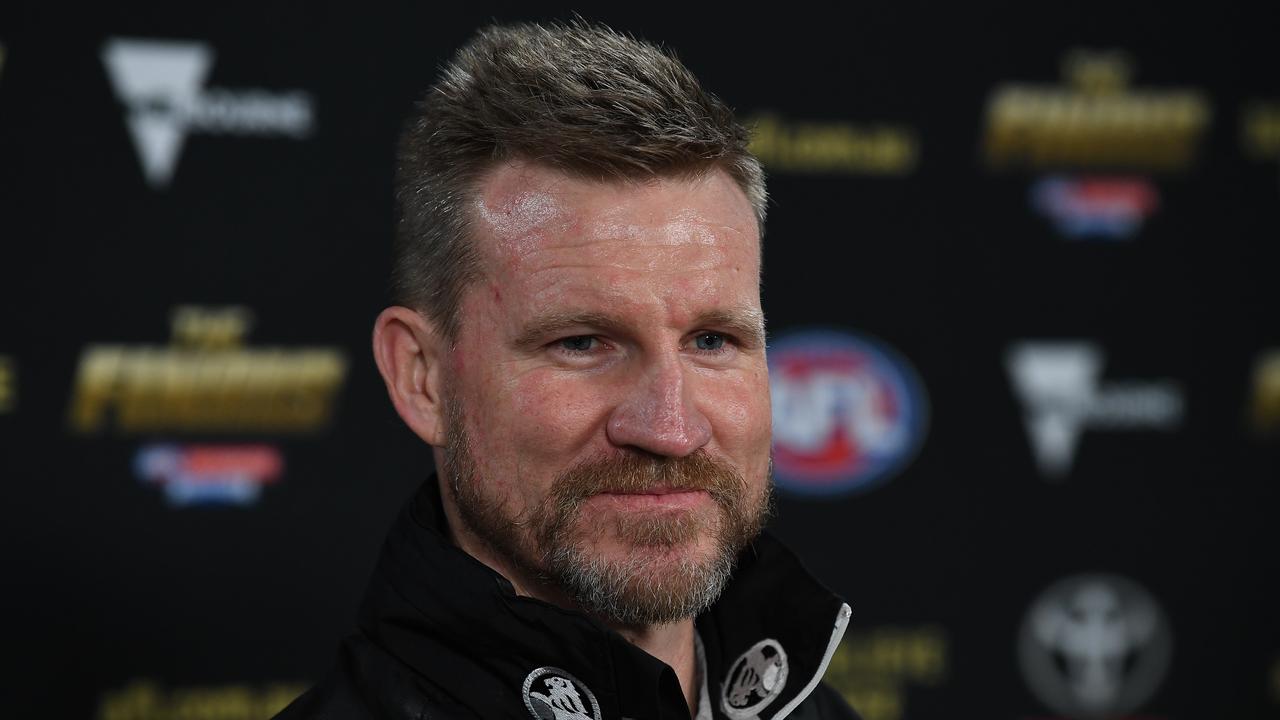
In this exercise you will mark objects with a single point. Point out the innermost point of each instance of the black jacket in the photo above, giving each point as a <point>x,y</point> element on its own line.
<point>442,636</point>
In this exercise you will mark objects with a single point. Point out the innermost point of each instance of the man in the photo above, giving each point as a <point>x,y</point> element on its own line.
<point>579,336</point>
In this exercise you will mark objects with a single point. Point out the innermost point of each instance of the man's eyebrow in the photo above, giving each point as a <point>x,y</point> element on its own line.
<point>746,324</point>
<point>535,332</point>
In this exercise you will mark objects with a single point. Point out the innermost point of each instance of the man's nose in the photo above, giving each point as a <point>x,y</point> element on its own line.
<point>658,413</point>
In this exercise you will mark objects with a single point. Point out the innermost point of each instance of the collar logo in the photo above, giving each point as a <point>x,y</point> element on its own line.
<point>754,680</point>
<point>553,694</point>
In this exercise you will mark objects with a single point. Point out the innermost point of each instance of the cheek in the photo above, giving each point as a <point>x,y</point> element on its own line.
<point>555,415</point>
<point>741,412</point>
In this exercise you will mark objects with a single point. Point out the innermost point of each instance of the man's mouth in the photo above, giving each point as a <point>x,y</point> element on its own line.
<point>656,498</point>
<point>656,490</point>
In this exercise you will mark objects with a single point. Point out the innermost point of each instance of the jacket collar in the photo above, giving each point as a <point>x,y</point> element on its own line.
<point>461,626</point>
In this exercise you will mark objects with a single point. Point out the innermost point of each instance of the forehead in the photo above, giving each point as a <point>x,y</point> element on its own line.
<point>531,218</point>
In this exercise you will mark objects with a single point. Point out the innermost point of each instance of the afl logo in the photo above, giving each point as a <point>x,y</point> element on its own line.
<point>848,412</point>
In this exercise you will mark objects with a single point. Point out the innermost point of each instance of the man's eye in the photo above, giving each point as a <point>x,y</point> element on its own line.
<point>709,341</point>
<point>578,343</point>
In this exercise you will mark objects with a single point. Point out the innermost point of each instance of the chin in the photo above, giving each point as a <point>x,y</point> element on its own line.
<point>644,585</point>
<point>699,550</point>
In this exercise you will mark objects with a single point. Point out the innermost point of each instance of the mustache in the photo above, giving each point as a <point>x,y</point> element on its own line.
<point>632,472</point>
<point>637,473</point>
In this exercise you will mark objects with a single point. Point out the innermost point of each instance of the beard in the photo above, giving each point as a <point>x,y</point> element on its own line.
<point>656,580</point>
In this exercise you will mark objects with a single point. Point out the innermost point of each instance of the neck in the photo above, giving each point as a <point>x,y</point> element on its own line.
<point>672,643</point>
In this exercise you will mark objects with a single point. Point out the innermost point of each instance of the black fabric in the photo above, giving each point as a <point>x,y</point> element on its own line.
<point>441,635</point>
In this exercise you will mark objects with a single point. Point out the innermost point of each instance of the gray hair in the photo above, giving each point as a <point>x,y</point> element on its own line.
<point>577,97</point>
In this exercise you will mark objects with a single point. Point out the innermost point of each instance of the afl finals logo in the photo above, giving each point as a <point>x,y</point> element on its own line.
<point>848,413</point>
<point>1094,646</point>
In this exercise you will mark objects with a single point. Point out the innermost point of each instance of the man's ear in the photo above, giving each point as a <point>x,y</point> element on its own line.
<point>409,352</point>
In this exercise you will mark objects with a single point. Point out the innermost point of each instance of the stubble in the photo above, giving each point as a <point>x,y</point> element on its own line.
<point>663,575</point>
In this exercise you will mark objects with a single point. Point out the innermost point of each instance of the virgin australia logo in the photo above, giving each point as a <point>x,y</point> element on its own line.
<point>1060,385</point>
<point>161,83</point>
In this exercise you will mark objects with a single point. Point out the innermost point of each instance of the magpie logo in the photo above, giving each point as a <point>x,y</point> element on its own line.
<point>754,680</point>
<point>1094,646</point>
<point>553,694</point>
<point>1062,394</point>
<point>162,85</point>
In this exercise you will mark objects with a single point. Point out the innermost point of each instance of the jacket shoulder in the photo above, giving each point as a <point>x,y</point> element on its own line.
<point>824,703</point>
<point>367,683</point>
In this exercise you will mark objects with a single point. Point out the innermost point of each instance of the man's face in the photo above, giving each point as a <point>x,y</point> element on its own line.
<point>607,394</point>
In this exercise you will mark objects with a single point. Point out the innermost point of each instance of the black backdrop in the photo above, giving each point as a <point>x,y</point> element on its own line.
<point>199,461</point>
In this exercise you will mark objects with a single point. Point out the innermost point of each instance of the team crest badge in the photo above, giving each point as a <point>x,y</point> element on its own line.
<point>553,694</point>
<point>754,680</point>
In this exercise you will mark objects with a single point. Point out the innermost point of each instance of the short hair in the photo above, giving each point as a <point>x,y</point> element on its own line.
<point>578,97</point>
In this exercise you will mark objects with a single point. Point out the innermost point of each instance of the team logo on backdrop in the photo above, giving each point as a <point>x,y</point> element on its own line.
<point>8,385</point>
<point>553,694</point>
<point>209,474</point>
<point>1096,207</point>
<point>162,85</point>
<point>754,680</point>
<point>1062,393</point>
<point>1274,681</point>
<point>1266,393</point>
<point>147,699</point>
<point>833,147</point>
<point>1094,646</point>
<point>1260,128</point>
<point>877,668</point>
<point>1097,119</point>
<point>848,412</point>
<point>206,380</point>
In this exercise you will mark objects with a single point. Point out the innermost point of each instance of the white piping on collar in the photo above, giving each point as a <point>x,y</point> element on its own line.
<point>837,633</point>
<point>704,697</point>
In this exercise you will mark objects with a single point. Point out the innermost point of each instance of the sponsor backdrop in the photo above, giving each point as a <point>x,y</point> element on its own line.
<point>1021,275</point>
